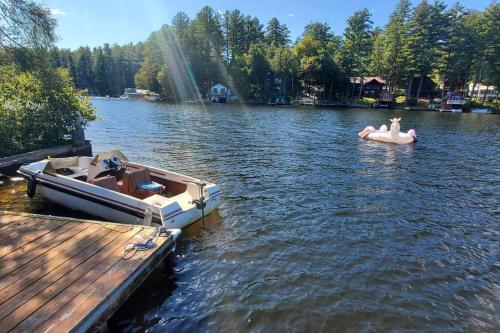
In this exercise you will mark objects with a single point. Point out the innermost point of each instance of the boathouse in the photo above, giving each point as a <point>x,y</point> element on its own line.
<point>220,93</point>
<point>386,100</point>
<point>370,86</point>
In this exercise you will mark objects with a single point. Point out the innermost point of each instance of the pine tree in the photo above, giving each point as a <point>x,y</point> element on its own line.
<point>83,68</point>
<point>356,48</point>
<point>377,66</point>
<point>393,39</point>
<point>100,84</point>
<point>491,32</point>
<point>204,48</point>
<point>426,33</point>
<point>277,34</point>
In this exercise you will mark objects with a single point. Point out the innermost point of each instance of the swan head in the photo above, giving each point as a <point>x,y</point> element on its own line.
<point>413,134</point>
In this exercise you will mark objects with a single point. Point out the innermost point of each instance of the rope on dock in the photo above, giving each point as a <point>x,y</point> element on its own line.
<point>131,249</point>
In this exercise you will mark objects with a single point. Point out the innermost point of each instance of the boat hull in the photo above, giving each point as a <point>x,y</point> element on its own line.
<point>119,213</point>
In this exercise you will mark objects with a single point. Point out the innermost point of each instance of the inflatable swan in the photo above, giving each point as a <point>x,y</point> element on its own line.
<point>394,135</point>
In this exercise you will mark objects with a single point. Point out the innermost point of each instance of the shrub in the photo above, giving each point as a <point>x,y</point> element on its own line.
<point>37,109</point>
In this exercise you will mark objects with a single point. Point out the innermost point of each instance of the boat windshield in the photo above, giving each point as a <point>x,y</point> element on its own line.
<point>55,164</point>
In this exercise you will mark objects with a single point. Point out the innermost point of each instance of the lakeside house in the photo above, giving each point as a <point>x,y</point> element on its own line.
<point>273,90</point>
<point>428,90</point>
<point>370,86</point>
<point>483,91</point>
<point>219,93</point>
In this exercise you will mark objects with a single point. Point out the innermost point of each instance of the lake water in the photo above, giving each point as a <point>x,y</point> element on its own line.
<point>317,230</point>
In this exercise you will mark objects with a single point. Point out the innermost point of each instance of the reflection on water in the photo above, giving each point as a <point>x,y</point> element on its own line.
<point>318,230</point>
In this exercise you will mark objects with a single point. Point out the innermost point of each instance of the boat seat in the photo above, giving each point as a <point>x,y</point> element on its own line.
<point>137,183</point>
<point>108,182</point>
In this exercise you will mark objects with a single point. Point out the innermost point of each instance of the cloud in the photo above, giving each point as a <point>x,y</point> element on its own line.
<point>56,11</point>
<point>290,15</point>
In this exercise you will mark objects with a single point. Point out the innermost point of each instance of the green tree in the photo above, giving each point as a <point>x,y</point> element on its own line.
<point>277,34</point>
<point>283,66</point>
<point>234,34</point>
<point>38,108</point>
<point>25,23</point>
<point>317,69</point>
<point>180,24</point>
<point>377,66</point>
<point>110,69</point>
<point>392,41</point>
<point>100,84</point>
<point>427,31</point>
<point>204,48</point>
<point>146,77</point>
<point>356,47</point>
<point>164,79</point>
<point>84,75</point>
<point>491,33</point>
<point>256,68</point>
<point>253,32</point>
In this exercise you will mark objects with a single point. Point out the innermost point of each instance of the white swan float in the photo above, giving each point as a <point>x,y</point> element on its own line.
<point>393,135</point>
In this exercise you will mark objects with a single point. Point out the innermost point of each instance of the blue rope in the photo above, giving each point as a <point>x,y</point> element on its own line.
<point>149,243</point>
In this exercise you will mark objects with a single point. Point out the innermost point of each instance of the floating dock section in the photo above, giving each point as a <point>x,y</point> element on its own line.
<point>61,274</point>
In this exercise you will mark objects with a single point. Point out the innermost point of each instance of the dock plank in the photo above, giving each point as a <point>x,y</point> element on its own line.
<point>68,274</point>
<point>75,289</point>
<point>7,219</point>
<point>23,226</point>
<point>29,286</point>
<point>10,228</point>
<point>89,304</point>
<point>60,254</point>
<point>33,250</point>
<point>45,293</point>
<point>12,243</point>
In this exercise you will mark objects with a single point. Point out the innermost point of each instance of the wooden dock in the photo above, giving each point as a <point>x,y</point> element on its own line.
<point>62,274</point>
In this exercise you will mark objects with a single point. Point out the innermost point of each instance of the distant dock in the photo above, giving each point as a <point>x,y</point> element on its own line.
<point>61,274</point>
<point>9,165</point>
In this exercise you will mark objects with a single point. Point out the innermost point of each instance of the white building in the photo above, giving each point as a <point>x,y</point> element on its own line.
<point>481,91</point>
<point>220,93</point>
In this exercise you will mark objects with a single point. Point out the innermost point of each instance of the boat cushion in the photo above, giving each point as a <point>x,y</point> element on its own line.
<point>137,183</point>
<point>133,177</point>
<point>149,186</point>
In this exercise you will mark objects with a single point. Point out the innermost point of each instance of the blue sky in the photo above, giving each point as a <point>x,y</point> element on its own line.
<point>95,22</point>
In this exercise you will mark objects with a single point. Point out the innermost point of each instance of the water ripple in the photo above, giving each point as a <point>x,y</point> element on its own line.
<point>320,231</point>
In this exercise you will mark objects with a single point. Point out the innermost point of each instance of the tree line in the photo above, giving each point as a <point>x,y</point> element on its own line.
<point>184,59</point>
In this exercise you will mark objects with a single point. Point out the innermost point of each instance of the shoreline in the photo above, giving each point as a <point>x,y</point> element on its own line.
<point>331,105</point>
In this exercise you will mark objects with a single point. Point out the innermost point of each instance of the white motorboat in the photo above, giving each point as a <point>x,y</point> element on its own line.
<point>111,187</point>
